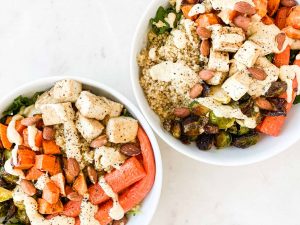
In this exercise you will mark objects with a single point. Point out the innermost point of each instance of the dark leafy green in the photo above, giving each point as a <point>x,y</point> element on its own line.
<point>297,100</point>
<point>293,56</point>
<point>161,15</point>
<point>18,103</point>
<point>270,57</point>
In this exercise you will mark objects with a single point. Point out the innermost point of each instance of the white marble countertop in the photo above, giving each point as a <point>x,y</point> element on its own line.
<point>92,38</point>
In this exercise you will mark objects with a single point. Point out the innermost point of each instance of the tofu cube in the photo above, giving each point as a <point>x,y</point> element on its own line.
<point>218,61</point>
<point>92,106</point>
<point>115,107</point>
<point>45,98</point>
<point>121,129</point>
<point>227,39</point>
<point>67,90</point>
<point>57,113</point>
<point>237,85</point>
<point>88,128</point>
<point>107,158</point>
<point>248,53</point>
<point>73,143</point>
<point>217,79</point>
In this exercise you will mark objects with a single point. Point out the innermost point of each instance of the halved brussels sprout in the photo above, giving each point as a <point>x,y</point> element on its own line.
<point>198,109</point>
<point>277,88</point>
<point>4,207</point>
<point>11,179</point>
<point>246,140</point>
<point>22,217</point>
<point>247,107</point>
<point>221,122</point>
<point>176,129</point>
<point>205,141</point>
<point>223,139</point>
<point>211,129</point>
<point>217,93</point>
<point>191,126</point>
<point>243,130</point>
<point>5,194</point>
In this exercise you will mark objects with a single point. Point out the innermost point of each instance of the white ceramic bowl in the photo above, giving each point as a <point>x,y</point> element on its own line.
<point>151,201</point>
<point>267,146</point>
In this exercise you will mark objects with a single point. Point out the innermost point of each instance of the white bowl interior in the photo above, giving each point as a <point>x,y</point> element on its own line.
<point>150,203</point>
<point>267,146</point>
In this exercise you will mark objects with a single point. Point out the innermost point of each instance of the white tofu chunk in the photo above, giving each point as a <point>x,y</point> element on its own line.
<point>115,107</point>
<point>107,158</point>
<point>217,79</point>
<point>45,98</point>
<point>57,113</point>
<point>219,94</point>
<point>260,87</point>
<point>237,85</point>
<point>227,39</point>
<point>92,106</point>
<point>88,128</point>
<point>121,129</point>
<point>218,61</point>
<point>248,53</point>
<point>264,36</point>
<point>67,90</point>
<point>236,66</point>
<point>72,141</point>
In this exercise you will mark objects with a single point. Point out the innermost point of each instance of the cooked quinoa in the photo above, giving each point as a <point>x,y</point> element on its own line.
<point>162,96</point>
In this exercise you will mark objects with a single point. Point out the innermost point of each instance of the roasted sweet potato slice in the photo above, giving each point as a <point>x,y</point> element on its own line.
<point>26,159</point>
<point>80,184</point>
<point>51,192</point>
<point>45,207</point>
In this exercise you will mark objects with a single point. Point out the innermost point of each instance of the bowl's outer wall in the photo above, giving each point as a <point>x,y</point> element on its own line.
<point>150,203</point>
<point>267,146</point>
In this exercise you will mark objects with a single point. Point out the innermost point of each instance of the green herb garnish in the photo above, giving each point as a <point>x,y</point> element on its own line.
<point>270,57</point>
<point>160,23</point>
<point>297,100</point>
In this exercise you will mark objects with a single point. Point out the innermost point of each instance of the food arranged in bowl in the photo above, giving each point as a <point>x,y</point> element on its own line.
<point>69,156</point>
<point>222,72</point>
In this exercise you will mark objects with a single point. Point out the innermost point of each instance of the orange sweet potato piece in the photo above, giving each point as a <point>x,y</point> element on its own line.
<point>281,16</point>
<point>26,159</point>
<point>72,209</point>
<point>33,173</point>
<point>50,147</point>
<point>80,184</point>
<point>45,207</point>
<point>3,136</point>
<point>185,10</point>
<point>56,169</point>
<point>51,192</point>
<point>261,7</point>
<point>267,20</point>
<point>273,6</point>
<point>45,162</point>
<point>282,58</point>
<point>207,19</point>
<point>60,182</point>
<point>19,127</point>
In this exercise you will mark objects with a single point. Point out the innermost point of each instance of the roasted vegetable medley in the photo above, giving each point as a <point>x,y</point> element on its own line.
<point>219,73</point>
<point>68,156</point>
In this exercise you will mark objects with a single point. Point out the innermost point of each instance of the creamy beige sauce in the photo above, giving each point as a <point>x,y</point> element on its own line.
<point>196,9</point>
<point>178,5</point>
<point>116,212</point>
<point>152,54</point>
<point>9,169</point>
<point>30,111</point>
<point>170,19</point>
<point>227,111</point>
<point>88,211</point>
<point>179,39</point>
<point>12,134</point>
<point>159,24</point>
<point>182,77</point>
<point>288,74</point>
<point>31,208</point>
<point>32,132</point>
<point>187,26</point>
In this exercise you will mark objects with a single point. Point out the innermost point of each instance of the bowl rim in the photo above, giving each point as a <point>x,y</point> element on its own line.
<point>154,201</point>
<point>159,130</point>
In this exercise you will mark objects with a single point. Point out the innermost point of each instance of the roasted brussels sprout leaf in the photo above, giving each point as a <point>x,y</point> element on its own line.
<point>221,122</point>
<point>277,88</point>
<point>5,194</point>
<point>161,22</point>
<point>8,177</point>
<point>222,139</point>
<point>246,140</point>
<point>4,206</point>
<point>206,90</point>
<point>247,107</point>
<point>270,57</point>
<point>211,129</point>
<point>22,217</point>
<point>243,130</point>
<point>205,141</point>
<point>176,129</point>
<point>297,100</point>
<point>191,126</point>
<point>293,55</point>
<point>198,109</point>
